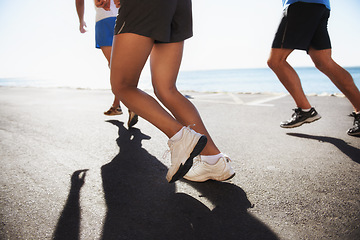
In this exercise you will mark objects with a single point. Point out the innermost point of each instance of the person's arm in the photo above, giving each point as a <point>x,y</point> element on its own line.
<point>80,9</point>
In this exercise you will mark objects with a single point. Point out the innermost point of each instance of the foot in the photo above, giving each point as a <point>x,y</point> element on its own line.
<point>133,119</point>
<point>355,130</point>
<point>183,151</point>
<point>114,111</point>
<point>352,114</point>
<point>202,171</point>
<point>300,117</point>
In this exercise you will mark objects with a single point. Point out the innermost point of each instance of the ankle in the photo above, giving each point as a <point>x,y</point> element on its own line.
<point>306,109</point>
<point>177,136</point>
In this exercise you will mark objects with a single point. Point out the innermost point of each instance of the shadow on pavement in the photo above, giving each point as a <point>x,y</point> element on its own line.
<point>141,204</point>
<point>68,226</point>
<point>352,152</point>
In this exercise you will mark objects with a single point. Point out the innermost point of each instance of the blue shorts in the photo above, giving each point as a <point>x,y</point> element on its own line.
<point>104,32</point>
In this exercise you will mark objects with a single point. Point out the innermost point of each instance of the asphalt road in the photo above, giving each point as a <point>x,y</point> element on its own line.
<point>69,172</point>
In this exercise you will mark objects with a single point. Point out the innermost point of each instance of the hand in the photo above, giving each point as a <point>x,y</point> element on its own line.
<point>83,27</point>
<point>78,179</point>
<point>105,4</point>
<point>117,3</point>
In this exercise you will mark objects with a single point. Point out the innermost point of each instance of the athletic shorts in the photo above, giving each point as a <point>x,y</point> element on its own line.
<point>303,25</point>
<point>165,21</point>
<point>104,32</point>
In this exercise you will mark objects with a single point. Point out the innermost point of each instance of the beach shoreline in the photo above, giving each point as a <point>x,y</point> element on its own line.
<point>257,80</point>
<point>150,91</point>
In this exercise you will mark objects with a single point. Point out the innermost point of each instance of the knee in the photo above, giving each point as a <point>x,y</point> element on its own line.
<point>273,63</point>
<point>164,94</point>
<point>323,63</point>
<point>320,65</point>
<point>119,88</point>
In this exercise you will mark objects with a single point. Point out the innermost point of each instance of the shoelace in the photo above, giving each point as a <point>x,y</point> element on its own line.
<point>357,120</point>
<point>295,115</point>
<point>228,159</point>
<point>166,153</point>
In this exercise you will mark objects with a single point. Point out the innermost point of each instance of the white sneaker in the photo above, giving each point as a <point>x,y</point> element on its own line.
<point>183,151</point>
<point>202,171</point>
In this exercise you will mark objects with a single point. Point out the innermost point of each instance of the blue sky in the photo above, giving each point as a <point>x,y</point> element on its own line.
<point>40,39</point>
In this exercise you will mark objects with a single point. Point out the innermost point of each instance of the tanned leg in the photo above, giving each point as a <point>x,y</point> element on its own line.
<point>107,53</point>
<point>288,76</point>
<point>129,55</point>
<point>165,63</point>
<point>338,75</point>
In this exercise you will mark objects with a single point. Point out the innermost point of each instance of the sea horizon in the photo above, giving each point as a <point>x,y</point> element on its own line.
<point>242,80</point>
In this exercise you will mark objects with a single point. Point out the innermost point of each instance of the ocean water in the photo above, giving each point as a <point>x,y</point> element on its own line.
<point>255,80</point>
<point>258,80</point>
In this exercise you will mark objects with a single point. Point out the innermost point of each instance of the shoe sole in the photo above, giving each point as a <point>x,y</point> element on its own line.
<point>184,168</point>
<point>233,175</point>
<point>132,121</point>
<point>113,114</point>
<point>354,134</point>
<point>211,179</point>
<point>309,120</point>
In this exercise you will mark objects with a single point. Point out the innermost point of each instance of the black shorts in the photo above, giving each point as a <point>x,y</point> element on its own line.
<point>303,25</point>
<point>165,21</point>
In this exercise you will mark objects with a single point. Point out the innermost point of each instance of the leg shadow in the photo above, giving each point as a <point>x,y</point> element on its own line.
<point>68,226</point>
<point>141,204</point>
<point>352,152</point>
<point>230,215</point>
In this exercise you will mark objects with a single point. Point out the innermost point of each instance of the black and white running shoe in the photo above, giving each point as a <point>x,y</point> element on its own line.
<point>355,130</point>
<point>300,117</point>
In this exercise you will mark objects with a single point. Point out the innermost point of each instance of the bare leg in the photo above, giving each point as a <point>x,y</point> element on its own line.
<point>165,64</point>
<point>107,53</point>
<point>338,75</point>
<point>287,76</point>
<point>129,55</point>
